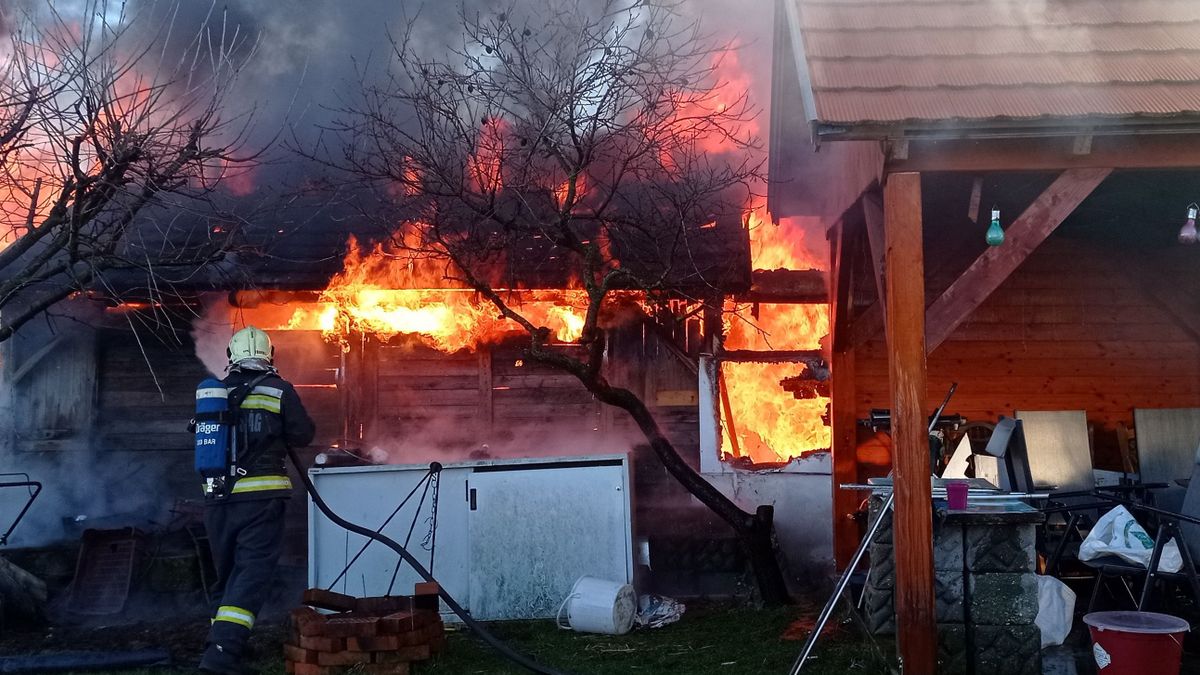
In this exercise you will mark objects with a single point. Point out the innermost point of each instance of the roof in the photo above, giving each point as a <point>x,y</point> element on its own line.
<point>975,63</point>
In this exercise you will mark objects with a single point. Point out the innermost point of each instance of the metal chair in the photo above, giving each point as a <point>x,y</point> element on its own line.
<point>1169,526</point>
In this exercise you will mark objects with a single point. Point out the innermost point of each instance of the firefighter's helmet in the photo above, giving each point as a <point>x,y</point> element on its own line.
<point>250,343</point>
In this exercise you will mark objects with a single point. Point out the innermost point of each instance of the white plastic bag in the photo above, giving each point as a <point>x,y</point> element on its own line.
<point>1056,608</point>
<point>1118,533</point>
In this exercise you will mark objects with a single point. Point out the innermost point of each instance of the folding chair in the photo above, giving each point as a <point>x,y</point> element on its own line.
<point>1166,447</point>
<point>1170,525</point>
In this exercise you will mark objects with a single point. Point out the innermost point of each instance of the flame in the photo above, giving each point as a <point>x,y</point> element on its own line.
<point>386,294</point>
<point>771,423</point>
<point>693,121</point>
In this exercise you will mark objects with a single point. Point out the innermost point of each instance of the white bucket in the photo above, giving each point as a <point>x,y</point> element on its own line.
<point>599,606</point>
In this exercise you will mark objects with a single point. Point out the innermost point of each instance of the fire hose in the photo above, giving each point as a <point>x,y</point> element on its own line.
<point>476,627</point>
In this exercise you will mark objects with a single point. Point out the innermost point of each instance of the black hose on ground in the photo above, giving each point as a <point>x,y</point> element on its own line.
<point>478,628</point>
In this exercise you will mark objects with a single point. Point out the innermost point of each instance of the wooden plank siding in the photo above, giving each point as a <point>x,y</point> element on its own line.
<point>147,390</point>
<point>1068,330</point>
<point>496,395</point>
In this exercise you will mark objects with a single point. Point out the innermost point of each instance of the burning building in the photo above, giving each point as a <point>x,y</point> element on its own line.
<point>405,351</point>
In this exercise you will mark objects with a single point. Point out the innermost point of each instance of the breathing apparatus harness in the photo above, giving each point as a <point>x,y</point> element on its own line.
<point>219,458</point>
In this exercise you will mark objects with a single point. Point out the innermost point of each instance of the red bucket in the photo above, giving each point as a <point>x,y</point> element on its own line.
<point>1135,643</point>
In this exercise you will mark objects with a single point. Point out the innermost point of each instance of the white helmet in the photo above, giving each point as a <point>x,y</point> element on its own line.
<point>250,343</point>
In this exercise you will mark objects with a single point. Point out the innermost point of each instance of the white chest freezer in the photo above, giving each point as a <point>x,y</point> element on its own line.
<point>511,536</point>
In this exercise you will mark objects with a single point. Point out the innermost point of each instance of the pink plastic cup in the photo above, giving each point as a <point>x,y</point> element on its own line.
<point>956,495</point>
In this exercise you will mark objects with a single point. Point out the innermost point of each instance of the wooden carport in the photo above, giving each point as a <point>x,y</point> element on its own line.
<point>915,105</point>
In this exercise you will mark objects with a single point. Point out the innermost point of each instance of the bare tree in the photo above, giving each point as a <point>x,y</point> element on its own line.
<point>592,140</point>
<point>112,135</point>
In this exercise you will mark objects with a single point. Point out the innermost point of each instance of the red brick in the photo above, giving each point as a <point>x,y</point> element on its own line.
<point>323,644</point>
<point>403,622</point>
<point>337,602</point>
<point>299,654</point>
<point>417,653</point>
<point>345,657</point>
<point>422,636</point>
<point>380,643</point>
<point>426,594</point>
<point>382,605</point>
<point>307,621</point>
<point>350,626</point>
<point>289,667</point>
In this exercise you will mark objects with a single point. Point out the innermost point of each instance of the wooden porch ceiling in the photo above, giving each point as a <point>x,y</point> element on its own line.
<point>1138,211</point>
<point>1080,151</point>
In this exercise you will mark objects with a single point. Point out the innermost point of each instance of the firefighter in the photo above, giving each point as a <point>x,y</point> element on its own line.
<point>244,515</point>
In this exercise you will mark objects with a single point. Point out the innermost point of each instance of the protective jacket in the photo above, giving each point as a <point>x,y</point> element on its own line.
<point>246,526</point>
<point>271,418</point>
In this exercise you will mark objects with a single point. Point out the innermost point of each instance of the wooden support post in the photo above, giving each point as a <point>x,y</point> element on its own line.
<point>842,404</point>
<point>873,219</point>
<point>913,525</point>
<point>369,413</point>
<point>486,400</point>
<point>845,463</point>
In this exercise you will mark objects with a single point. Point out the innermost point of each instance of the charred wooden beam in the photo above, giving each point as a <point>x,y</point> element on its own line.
<point>805,388</point>
<point>786,286</point>
<point>812,358</point>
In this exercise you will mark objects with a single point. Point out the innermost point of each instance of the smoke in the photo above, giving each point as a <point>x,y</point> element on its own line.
<point>47,434</point>
<point>442,440</point>
<point>211,332</point>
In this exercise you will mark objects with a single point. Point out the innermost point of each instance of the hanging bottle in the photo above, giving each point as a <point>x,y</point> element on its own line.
<point>995,233</point>
<point>1187,234</point>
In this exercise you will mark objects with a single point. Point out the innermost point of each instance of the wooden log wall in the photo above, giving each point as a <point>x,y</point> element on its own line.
<point>146,390</point>
<point>311,364</point>
<point>53,384</point>
<point>464,400</point>
<point>1071,329</point>
<point>494,396</point>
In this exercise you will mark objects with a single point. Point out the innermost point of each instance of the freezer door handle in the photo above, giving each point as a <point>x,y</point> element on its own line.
<point>471,494</point>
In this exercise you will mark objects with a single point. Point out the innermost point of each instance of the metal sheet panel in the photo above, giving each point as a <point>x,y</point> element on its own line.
<point>534,533</point>
<point>542,521</point>
<point>1059,452</point>
<point>367,496</point>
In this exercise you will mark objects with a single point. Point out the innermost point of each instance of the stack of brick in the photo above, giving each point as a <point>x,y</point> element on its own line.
<point>364,635</point>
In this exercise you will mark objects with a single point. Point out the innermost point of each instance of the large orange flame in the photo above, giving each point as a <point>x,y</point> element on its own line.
<point>771,423</point>
<point>386,294</point>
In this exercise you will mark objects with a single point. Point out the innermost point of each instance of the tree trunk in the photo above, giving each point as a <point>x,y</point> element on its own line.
<point>756,530</point>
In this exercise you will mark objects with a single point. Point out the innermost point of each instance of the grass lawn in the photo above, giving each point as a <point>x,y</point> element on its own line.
<point>729,641</point>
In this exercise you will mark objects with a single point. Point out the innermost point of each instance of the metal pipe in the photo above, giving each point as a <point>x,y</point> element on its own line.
<point>840,587</point>
<point>37,489</point>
